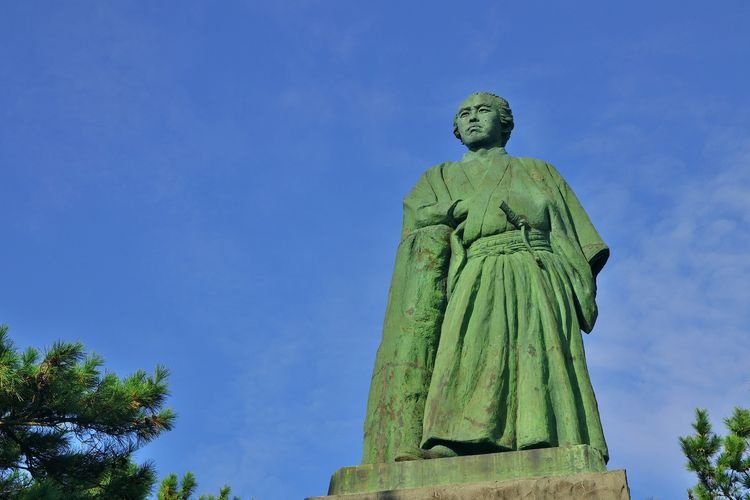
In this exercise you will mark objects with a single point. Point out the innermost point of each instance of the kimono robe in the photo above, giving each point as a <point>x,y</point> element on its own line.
<point>481,347</point>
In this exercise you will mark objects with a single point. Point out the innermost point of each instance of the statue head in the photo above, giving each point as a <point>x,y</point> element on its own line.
<point>483,120</point>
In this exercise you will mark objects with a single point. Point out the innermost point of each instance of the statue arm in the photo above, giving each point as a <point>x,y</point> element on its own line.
<point>593,247</point>
<point>429,203</point>
<point>576,240</point>
<point>411,331</point>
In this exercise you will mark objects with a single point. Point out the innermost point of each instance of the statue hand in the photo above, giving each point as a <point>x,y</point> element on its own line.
<point>461,210</point>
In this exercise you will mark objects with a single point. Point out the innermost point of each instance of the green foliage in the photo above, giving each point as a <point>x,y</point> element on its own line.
<point>169,487</point>
<point>223,495</point>
<point>722,464</point>
<point>171,490</point>
<point>68,431</point>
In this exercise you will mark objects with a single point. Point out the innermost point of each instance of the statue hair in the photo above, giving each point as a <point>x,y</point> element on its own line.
<point>503,109</point>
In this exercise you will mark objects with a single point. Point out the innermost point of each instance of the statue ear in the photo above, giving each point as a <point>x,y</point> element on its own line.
<point>506,134</point>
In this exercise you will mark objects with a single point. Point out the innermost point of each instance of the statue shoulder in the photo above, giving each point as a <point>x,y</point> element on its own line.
<point>441,167</point>
<point>437,172</point>
<point>430,182</point>
<point>541,167</point>
<point>529,162</point>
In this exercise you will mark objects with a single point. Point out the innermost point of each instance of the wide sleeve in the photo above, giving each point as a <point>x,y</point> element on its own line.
<point>593,247</point>
<point>576,240</point>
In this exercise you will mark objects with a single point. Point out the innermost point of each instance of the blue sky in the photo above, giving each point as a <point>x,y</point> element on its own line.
<point>217,187</point>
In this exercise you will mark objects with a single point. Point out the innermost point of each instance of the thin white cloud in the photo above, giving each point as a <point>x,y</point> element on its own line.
<point>675,333</point>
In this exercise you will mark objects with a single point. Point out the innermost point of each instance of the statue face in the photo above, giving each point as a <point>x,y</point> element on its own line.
<point>479,123</point>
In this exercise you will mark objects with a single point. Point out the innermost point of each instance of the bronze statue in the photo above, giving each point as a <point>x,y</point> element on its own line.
<point>495,278</point>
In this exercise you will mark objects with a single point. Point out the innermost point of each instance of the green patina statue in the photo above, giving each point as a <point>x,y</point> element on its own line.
<point>495,278</point>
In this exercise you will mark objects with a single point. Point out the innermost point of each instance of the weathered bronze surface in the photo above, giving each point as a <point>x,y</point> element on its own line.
<point>482,349</point>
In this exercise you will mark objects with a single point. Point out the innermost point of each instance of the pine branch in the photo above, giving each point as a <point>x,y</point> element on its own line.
<point>73,429</point>
<point>722,465</point>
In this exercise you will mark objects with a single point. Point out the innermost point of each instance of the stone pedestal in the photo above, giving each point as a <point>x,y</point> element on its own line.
<point>574,472</point>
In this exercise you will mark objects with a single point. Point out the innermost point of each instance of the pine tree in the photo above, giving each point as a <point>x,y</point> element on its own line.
<point>722,464</point>
<point>67,430</point>
<point>171,490</point>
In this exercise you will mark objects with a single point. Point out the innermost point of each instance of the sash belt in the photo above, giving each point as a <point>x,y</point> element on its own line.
<point>510,242</point>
